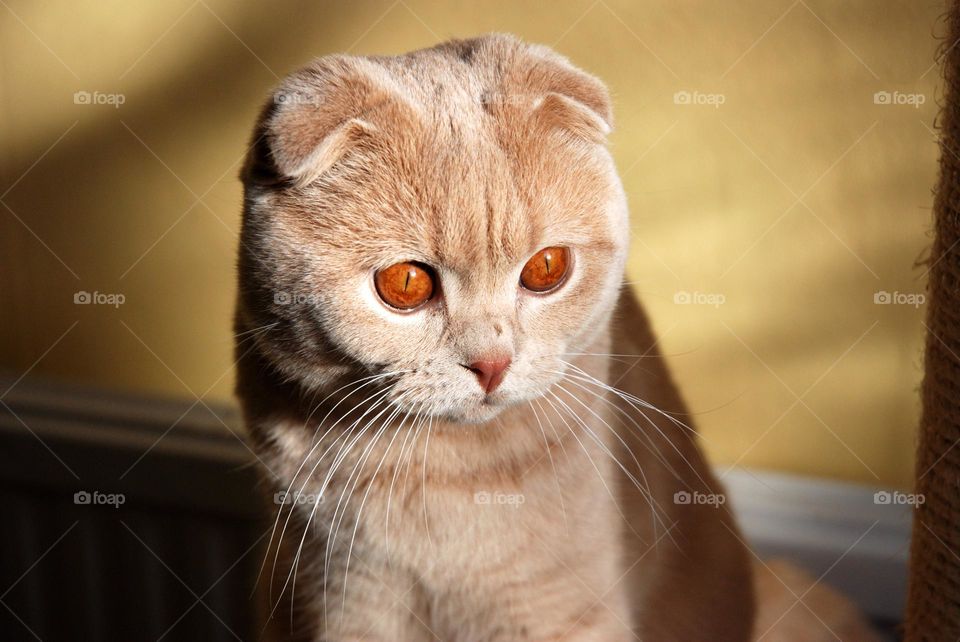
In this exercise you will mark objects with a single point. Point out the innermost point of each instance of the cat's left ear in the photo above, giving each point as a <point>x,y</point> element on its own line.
<point>572,99</point>
<point>559,110</point>
<point>563,96</point>
<point>315,117</point>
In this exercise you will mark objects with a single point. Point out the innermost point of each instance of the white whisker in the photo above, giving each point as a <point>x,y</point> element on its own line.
<point>341,454</point>
<point>379,396</point>
<point>364,457</point>
<point>645,490</point>
<point>583,447</point>
<point>334,522</point>
<point>598,441</point>
<point>633,401</point>
<point>640,432</point>
<point>396,470</point>
<point>276,523</point>
<point>546,444</point>
<point>423,489</point>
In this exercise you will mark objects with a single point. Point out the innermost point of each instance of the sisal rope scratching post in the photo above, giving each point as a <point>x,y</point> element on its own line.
<point>933,599</point>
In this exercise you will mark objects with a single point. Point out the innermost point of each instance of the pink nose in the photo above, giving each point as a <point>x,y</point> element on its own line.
<point>489,372</point>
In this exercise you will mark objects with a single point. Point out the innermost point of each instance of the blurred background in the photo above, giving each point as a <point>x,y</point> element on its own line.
<point>778,157</point>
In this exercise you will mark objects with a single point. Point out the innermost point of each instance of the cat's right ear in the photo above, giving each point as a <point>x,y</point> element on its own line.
<point>313,118</point>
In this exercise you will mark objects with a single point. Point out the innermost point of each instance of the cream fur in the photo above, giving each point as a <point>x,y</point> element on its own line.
<point>469,157</point>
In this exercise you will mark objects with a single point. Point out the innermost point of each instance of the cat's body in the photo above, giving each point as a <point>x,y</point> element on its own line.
<point>488,549</point>
<point>538,505</point>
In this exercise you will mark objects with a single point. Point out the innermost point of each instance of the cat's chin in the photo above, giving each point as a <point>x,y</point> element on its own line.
<point>481,410</point>
<point>474,415</point>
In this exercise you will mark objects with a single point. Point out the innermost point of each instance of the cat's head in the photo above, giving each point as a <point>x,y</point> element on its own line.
<point>452,216</point>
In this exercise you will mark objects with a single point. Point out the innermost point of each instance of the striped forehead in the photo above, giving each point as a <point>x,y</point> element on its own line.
<point>482,227</point>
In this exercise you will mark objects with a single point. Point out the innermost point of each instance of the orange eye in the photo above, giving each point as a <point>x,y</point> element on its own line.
<point>404,285</point>
<point>546,269</point>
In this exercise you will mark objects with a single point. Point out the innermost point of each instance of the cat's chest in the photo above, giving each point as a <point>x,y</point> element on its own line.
<point>455,509</point>
<point>466,530</point>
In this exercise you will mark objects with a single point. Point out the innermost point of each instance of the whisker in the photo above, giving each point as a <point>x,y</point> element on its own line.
<point>344,449</point>
<point>556,475</point>
<point>363,460</point>
<point>600,476</point>
<point>409,462</point>
<point>379,395</point>
<point>582,424</point>
<point>363,501</point>
<point>253,333</point>
<point>632,401</point>
<point>393,481</point>
<point>626,396</point>
<point>553,428</point>
<point>276,523</point>
<point>334,522</point>
<point>640,432</point>
<point>368,381</point>
<point>645,490</point>
<point>423,488</point>
<point>335,466</point>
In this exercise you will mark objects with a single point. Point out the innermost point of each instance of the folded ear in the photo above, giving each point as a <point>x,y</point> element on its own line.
<point>313,118</point>
<point>558,110</point>
<point>568,97</point>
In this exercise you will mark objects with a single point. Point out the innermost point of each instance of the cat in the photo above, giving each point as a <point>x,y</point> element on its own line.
<point>463,410</point>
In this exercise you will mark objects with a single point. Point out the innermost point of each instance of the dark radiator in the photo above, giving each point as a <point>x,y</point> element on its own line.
<point>125,519</point>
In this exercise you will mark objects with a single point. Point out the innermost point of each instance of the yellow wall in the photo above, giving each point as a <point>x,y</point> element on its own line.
<point>796,199</point>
